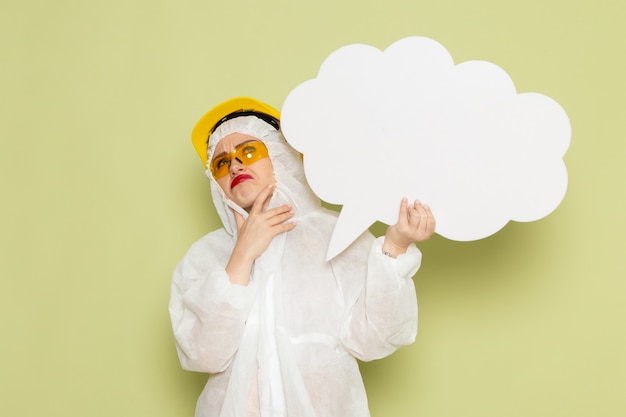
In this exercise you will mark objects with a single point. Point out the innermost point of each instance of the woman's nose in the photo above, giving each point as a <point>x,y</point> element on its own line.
<point>235,166</point>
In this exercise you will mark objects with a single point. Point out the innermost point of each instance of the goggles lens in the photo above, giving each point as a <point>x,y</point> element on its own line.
<point>246,153</point>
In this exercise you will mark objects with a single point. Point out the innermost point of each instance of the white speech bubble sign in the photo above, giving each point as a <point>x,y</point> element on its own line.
<point>377,126</point>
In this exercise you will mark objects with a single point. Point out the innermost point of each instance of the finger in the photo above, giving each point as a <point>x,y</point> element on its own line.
<point>278,210</point>
<point>284,227</point>
<point>427,226</point>
<point>416,214</point>
<point>424,211</point>
<point>281,218</point>
<point>261,200</point>
<point>419,206</point>
<point>432,222</point>
<point>270,194</point>
<point>428,214</point>
<point>403,215</point>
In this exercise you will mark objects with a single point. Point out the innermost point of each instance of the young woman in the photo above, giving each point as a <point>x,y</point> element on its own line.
<point>255,303</point>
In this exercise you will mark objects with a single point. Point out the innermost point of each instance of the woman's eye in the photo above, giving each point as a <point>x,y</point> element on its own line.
<point>222,162</point>
<point>249,149</point>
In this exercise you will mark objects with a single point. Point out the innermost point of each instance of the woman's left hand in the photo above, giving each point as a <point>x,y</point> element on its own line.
<point>416,223</point>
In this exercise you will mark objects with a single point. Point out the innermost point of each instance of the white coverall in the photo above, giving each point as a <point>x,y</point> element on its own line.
<point>285,344</point>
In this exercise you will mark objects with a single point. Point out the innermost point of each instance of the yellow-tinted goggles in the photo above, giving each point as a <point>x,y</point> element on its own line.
<point>246,153</point>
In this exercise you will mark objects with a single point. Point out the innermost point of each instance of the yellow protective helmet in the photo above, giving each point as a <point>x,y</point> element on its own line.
<point>235,107</point>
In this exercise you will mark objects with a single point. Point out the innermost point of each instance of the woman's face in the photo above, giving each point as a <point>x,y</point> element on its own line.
<point>243,183</point>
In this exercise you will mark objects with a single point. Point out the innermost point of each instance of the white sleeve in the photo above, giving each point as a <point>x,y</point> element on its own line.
<point>383,317</point>
<point>208,312</point>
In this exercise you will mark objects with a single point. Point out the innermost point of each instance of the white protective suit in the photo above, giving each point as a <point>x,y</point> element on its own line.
<point>285,345</point>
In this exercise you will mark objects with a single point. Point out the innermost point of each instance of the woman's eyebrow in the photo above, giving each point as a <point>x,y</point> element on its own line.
<point>246,141</point>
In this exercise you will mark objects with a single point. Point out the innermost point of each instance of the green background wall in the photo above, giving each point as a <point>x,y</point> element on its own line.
<point>102,194</point>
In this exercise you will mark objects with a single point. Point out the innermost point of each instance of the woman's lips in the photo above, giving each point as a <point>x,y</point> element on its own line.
<point>238,179</point>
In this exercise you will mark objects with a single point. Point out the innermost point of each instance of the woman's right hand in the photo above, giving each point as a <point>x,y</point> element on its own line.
<point>255,234</point>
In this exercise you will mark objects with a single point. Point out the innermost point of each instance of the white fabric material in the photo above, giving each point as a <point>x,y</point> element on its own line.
<point>285,345</point>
